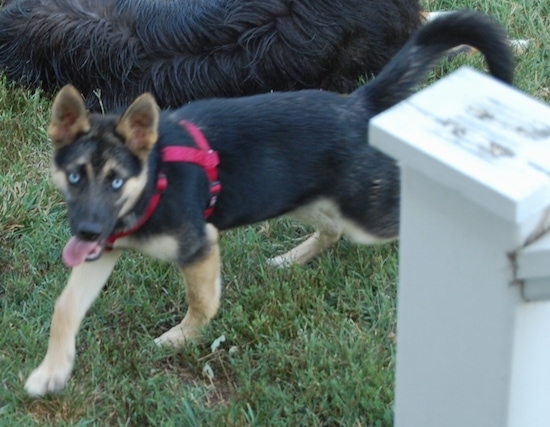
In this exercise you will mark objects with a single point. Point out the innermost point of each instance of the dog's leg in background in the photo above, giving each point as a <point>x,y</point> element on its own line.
<point>305,251</point>
<point>328,231</point>
<point>85,283</point>
<point>203,291</point>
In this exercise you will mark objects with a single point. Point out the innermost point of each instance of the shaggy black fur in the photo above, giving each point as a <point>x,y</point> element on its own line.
<point>181,50</point>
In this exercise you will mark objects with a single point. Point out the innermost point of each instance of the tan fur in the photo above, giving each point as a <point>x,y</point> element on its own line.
<point>110,166</point>
<point>132,190</point>
<point>164,247</point>
<point>203,286</point>
<point>329,223</point>
<point>305,251</point>
<point>358,234</point>
<point>69,117</point>
<point>139,124</point>
<point>325,217</point>
<point>59,178</point>
<point>85,283</point>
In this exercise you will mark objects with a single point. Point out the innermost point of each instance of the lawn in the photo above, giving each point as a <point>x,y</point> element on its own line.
<point>305,346</point>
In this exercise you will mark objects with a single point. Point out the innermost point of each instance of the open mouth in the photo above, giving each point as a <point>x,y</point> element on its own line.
<point>77,251</point>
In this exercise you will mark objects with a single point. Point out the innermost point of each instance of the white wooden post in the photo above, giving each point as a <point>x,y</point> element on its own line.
<point>473,328</point>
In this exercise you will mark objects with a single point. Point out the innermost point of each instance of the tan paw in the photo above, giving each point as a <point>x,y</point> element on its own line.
<point>175,337</point>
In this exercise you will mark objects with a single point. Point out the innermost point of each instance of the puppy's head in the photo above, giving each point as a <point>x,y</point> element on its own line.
<point>99,165</point>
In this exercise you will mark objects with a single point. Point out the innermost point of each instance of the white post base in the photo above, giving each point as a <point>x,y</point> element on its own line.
<point>473,333</point>
<point>456,311</point>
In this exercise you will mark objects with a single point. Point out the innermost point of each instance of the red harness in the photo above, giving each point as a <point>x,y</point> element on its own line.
<point>202,156</point>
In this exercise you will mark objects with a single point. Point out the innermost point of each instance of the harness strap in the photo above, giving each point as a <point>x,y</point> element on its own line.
<point>162,183</point>
<point>202,156</point>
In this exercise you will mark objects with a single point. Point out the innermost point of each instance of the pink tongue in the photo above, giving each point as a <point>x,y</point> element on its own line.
<point>76,251</point>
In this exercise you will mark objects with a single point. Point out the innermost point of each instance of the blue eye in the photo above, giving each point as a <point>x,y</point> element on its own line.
<point>74,178</point>
<point>117,183</point>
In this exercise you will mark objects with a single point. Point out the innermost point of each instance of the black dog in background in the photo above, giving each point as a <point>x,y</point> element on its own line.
<point>181,50</point>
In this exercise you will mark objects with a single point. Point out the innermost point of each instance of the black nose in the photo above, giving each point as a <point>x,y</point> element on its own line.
<point>89,231</point>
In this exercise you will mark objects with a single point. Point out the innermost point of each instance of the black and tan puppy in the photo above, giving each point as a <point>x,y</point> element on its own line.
<point>165,183</point>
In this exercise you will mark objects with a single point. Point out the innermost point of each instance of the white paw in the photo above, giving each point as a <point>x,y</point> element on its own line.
<point>280,261</point>
<point>172,338</point>
<point>177,336</point>
<point>47,379</point>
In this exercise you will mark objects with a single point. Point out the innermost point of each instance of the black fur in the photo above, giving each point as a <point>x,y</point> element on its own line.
<point>182,50</point>
<point>282,151</point>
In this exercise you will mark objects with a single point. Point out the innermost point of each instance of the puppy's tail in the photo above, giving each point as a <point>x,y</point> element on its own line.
<point>409,67</point>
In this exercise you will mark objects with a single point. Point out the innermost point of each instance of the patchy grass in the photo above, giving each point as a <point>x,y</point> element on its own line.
<point>311,346</point>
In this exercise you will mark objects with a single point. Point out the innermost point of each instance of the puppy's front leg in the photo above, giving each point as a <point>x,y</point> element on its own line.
<point>85,283</point>
<point>203,287</point>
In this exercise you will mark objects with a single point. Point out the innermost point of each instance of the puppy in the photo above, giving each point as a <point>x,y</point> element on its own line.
<point>165,183</point>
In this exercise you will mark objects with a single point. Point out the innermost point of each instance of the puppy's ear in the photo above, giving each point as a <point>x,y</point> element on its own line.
<point>69,117</point>
<point>139,125</point>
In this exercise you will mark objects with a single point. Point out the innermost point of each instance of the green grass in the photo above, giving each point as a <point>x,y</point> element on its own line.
<point>310,346</point>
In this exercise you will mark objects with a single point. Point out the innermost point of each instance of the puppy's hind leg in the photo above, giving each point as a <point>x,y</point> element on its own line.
<point>203,291</point>
<point>328,231</point>
<point>85,283</point>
